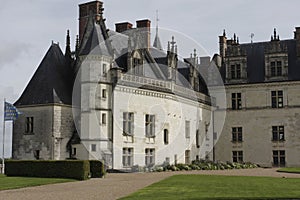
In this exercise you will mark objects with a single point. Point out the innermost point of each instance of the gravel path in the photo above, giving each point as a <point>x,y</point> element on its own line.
<point>114,186</point>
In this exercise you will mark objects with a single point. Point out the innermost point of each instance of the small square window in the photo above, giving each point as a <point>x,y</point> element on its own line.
<point>94,147</point>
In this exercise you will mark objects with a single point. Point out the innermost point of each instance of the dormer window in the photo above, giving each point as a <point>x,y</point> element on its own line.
<point>236,71</point>
<point>137,64</point>
<point>276,68</point>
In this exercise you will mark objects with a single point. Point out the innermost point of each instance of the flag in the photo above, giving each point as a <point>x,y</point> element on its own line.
<point>11,113</point>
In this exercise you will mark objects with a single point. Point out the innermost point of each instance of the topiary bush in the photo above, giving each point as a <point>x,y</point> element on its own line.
<point>97,169</point>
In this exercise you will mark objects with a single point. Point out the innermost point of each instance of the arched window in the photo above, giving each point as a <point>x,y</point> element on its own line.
<point>166,136</point>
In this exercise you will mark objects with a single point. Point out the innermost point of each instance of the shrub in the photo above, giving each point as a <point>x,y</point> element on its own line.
<point>97,169</point>
<point>49,169</point>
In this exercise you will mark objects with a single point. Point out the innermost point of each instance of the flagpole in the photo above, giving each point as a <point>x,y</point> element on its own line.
<point>3,137</point>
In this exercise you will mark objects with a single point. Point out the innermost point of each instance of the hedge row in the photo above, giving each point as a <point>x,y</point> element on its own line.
<point>74,169</point>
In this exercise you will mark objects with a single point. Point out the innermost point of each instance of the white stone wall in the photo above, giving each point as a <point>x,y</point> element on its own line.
<point>257,118</point>
<point>170,112</point>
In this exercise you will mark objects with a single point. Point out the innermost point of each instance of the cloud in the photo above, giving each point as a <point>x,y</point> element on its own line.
<point>10,52</point>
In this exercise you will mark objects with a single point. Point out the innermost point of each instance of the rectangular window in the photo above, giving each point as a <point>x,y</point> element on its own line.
<point>104,70</point>
<point>128,123</point>
<point>103,118</point>
<point>150,125</point>
<point>104,93</point>
<point>237,156</point>
<point>276,68</point>
<point>277,99</point>
<point>149,157</point>
<point>94,147</point>
<point>279,158</point>
<point>236,71</point>
<point>187,156</point>
<point>187,129</point>
<point>127,157</point>
<point>29,125</point>
<point>237,134</point>
<point>236,101</point>
<point>278,133</point>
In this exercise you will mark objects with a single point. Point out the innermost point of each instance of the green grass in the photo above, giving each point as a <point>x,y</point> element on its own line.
<point>219,187</point>
<point>21,182</point>
<point>290,170</point>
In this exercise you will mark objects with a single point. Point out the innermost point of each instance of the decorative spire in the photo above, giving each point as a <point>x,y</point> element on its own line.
<point>275,33</point>
<point>77,44</point>
<point>224,33</point>
<point>157,43</point>
<point>275,37</point>
<point>68,45</point>
<point>238,40</point>
<point>234,38</point>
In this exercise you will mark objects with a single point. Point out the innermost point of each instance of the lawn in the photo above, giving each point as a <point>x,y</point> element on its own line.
<point>220,187</point>
<point>20,182</point>
<point>290,170</point>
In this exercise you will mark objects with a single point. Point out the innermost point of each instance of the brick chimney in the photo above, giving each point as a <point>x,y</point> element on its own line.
<point>94,7</point>
<point>121,27</point>
<point>144,26</point>
<point>297,38</point>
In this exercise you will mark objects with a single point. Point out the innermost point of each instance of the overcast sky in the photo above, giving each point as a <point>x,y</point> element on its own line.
<point>29,26</point>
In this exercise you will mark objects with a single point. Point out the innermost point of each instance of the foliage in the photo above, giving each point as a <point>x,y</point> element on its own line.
<point>20,182</point>
<point>49,169</point>
<point>97,169</point>
<point>204,165</point>
<point>220,187</point>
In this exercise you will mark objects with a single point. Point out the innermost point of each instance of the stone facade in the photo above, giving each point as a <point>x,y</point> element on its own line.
<point>262,111</point>
<point>51,129</point>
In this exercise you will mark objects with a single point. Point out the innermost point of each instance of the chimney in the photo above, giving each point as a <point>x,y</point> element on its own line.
<point>223,45</point>
<point>297,38</point>
<point>144,28</point>
<point>121,27</point>
<point>95,8</point>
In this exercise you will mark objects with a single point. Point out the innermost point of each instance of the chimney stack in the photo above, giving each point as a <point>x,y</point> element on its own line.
<point>121,27</point>
<point>297,38</point>
<point>95,8</point>
<point>144,28</point>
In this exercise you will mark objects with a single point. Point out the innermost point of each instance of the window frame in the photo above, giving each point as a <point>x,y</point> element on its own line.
<point>29,125</point>
<point>128,123</point>
<point>277,99</point>
<point>127,157</point>
<point>237,134</point>
<point>149,156</point>
<point>278,134</point>
<point>149,126</point>
<point>236,101</point>
<point>238,156</point>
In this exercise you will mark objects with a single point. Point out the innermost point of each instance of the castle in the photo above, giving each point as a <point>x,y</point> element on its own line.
<point>118,99</point>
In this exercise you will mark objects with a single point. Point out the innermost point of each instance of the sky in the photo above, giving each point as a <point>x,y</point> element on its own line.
<point>29,26</point>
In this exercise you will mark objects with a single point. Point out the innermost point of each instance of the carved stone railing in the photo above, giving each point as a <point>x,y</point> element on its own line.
<point>165,85</point>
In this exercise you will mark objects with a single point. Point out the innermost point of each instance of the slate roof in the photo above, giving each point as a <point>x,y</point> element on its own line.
<point>51,83</point>
<point>256,61</point>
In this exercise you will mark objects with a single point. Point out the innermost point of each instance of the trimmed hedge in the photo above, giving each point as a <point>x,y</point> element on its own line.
<point>97,169</point>
<point>49,169</point>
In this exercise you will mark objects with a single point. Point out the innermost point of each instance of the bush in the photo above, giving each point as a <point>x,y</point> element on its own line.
<point>97,169</point>
<point>49,169</point>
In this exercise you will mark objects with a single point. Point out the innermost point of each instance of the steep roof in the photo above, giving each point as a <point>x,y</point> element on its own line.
<point>51,83</point>
<point>255,53</point>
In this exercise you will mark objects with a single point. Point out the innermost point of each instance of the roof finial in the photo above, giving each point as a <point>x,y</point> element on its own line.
<point>275,33</point>
<point>173,44</point>
<point>238,40</point>
<point>234,37</point>
<point>224,33</point>
<point>169,48</point>
<point>157,43</point>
